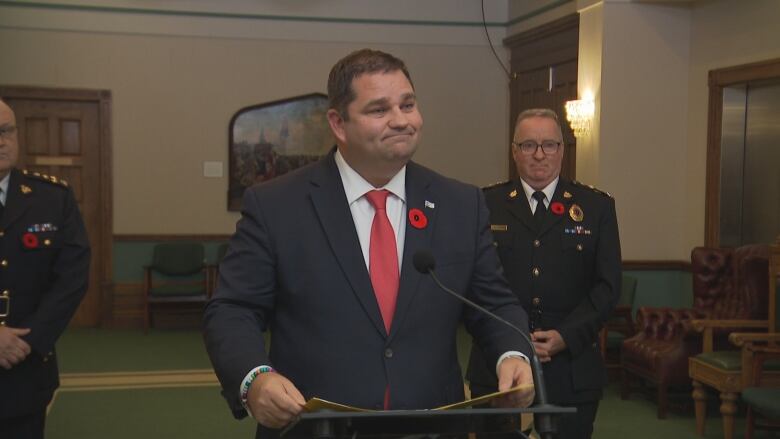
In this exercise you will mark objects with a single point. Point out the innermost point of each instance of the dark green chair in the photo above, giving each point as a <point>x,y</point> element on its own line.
<point>763,396</point>
<point>727,371</point>
<point>620,326</point>
<point>214,269</point>
<point>760,358</point>
<point>177,279</point>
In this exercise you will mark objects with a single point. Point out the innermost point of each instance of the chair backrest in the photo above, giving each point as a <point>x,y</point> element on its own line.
<point>221,250</point>
<point>730,283</point>
<point>178,258</point>
<point>627,290</point>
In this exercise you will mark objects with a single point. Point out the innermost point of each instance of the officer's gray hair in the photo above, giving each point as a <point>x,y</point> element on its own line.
<point>539,112</point>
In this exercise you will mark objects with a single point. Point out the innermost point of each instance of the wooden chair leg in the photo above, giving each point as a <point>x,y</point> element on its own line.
<point>749,420</point>
<point>663,400</point>
<point>700,404</point>
<point>728,408</point>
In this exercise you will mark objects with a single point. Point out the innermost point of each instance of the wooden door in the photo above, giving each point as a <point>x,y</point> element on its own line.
<point>63,137</point>
<point>544,75</point>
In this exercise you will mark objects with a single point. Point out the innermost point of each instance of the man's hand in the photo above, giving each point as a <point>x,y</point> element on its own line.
<point>513,372</point>
<point>13,350</point>
<point>547,344</point>
<point>273,400</point>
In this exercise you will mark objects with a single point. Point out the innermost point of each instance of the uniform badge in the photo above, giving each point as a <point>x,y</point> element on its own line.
<point>25,189</point>
<point>498,228</point>
<point>576,213</point>
<point>513,194</point>
<point>45,227</point>
<point>567,194</point>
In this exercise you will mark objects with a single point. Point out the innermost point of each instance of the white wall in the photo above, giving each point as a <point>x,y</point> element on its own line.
<point>177,80</point>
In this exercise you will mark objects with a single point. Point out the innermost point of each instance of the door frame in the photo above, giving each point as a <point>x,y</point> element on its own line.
<point>718,80</point>
<point>542,46</point>
<point>105,191</point>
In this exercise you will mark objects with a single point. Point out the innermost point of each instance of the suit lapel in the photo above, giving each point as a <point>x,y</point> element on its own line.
<point>418,192</point>
<point>551,219</point>
<point>330,204</point>
<point>517,204</point>
<point>17,200</point>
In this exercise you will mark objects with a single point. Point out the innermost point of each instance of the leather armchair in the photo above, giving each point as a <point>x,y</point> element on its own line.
<point>667,337</point>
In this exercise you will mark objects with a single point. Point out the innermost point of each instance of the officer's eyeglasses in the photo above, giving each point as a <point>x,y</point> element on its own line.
<point>7,132</point>
<point>529,147</point>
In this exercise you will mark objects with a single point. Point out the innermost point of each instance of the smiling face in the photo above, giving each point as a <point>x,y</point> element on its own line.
<point>382,128</point>
<point>537,169</point>
<point>9,144</point>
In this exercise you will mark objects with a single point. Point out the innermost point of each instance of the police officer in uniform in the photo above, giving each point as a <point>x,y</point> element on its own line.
<point>558,242</point>
<point>44,267</point>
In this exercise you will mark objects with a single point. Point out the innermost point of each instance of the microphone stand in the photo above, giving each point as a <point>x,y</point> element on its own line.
<point>543,422</point>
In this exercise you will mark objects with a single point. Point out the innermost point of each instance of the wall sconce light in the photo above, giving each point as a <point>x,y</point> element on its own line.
<point>579,113</point>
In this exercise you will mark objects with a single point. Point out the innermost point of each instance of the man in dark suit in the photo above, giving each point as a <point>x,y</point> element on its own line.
<point>322,257</point>
<point>558,242</point>
<point>44,268</point>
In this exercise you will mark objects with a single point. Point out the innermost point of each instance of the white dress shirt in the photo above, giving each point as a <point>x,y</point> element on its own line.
<point>355,186</point>
<point>548,191</point>
<point>4,188</point>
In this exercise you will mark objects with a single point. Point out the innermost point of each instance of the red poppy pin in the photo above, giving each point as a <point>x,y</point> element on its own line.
<point>30,240</point>
<point>557,208</point>
<point>418,218</point>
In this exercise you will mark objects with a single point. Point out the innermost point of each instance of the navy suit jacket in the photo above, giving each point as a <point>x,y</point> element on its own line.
<point>46,258</point>
<point>577,280</point>
<point>295,267</point>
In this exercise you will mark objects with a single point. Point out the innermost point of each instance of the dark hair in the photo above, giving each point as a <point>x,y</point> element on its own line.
<point>340,92</point>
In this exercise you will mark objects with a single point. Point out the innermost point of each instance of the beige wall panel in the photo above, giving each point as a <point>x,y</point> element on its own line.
<point>173,97</point>
<point>641,158</point>
<point>724,33</point>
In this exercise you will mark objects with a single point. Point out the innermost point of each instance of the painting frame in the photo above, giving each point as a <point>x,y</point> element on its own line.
<point>273,138</point>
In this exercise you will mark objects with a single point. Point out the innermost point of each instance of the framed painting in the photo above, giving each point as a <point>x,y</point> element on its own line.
<point>272,139</point>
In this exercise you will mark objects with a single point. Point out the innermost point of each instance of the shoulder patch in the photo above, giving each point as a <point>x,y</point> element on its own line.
<point>496,184</point>
<point>591,188</point>
<point>44,177</point>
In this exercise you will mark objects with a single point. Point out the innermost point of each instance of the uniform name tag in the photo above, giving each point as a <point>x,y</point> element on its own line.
<point>498,228</point>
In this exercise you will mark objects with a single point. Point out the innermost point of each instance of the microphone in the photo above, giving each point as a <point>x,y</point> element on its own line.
<point>424,262</point>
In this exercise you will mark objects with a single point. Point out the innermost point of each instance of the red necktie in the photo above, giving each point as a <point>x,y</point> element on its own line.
<point>383,258</point>
<point>383,263</point>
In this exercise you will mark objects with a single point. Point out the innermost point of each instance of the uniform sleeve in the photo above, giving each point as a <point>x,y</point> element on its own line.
<point>490,289</point>
<point>580,328</point>
<point>69,278</point>
<point>242,306</point>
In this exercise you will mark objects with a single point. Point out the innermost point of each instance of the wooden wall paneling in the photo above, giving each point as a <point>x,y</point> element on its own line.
<point>55,140</point>
<point>718,79</point>
<point>533,54</point>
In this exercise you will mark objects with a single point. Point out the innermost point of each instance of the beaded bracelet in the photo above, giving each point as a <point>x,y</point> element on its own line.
<point>250,378</point>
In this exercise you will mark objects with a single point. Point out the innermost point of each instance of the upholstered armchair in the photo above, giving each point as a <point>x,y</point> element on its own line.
<point>667,337</point>
<point>729,371</point>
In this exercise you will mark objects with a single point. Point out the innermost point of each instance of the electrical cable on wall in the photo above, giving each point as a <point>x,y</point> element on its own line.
<point>490,43</point>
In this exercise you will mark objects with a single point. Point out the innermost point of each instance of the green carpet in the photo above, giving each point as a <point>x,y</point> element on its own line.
<point>145,414</point>
<point>195,412</point>
<point>102,350</point>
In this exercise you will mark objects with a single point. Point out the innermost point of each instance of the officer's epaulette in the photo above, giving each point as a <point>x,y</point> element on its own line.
<point>47,178</point>
<point>496,184</point>
<point>589,186</point>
